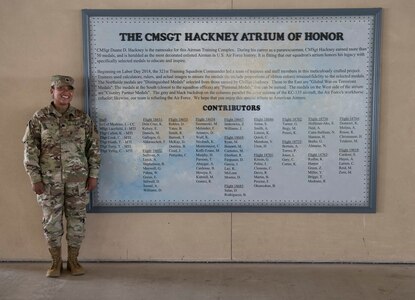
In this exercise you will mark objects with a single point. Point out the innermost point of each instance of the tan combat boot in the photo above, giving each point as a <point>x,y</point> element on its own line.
<point>56,268</point>
<point>73,265</point>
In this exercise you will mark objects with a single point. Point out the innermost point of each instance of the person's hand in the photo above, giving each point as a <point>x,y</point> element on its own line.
<point>38,188</point>
<point>91,183</point>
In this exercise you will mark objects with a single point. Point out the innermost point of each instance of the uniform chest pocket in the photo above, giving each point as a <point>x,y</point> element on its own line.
<point>49,133</point>
<point>74,132</point>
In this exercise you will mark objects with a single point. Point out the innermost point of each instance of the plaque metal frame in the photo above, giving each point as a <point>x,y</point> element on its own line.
<point>376,13</point>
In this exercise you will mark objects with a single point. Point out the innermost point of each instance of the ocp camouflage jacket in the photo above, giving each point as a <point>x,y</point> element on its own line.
<point>61,147</point>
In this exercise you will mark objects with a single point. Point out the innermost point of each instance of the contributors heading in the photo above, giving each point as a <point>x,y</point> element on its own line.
<point>231,107</point>
<point>229,36</point>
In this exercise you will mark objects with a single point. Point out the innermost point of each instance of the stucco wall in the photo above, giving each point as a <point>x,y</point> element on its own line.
<point>43,37</point>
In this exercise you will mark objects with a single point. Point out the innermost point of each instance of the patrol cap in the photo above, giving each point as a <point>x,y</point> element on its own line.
<point>61,80</point>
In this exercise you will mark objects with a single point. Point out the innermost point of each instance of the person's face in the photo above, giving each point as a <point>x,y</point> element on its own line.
<point>62,95</point>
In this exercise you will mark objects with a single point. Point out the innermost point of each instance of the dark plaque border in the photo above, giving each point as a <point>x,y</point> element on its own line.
<point>376,12</point>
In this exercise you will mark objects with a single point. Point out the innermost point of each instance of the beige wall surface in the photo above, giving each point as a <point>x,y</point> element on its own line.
<point>39,38</point>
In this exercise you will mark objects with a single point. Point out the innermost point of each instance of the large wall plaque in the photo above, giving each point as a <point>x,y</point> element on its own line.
<point>234,110</point>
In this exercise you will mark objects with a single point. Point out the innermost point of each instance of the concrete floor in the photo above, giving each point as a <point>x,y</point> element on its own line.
<point>202,281</point>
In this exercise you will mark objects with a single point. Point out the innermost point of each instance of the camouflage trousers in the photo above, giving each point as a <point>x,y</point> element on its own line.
<point>69,199</point>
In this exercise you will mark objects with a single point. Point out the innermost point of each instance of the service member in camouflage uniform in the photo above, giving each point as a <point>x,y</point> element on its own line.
<point>62,159</point>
